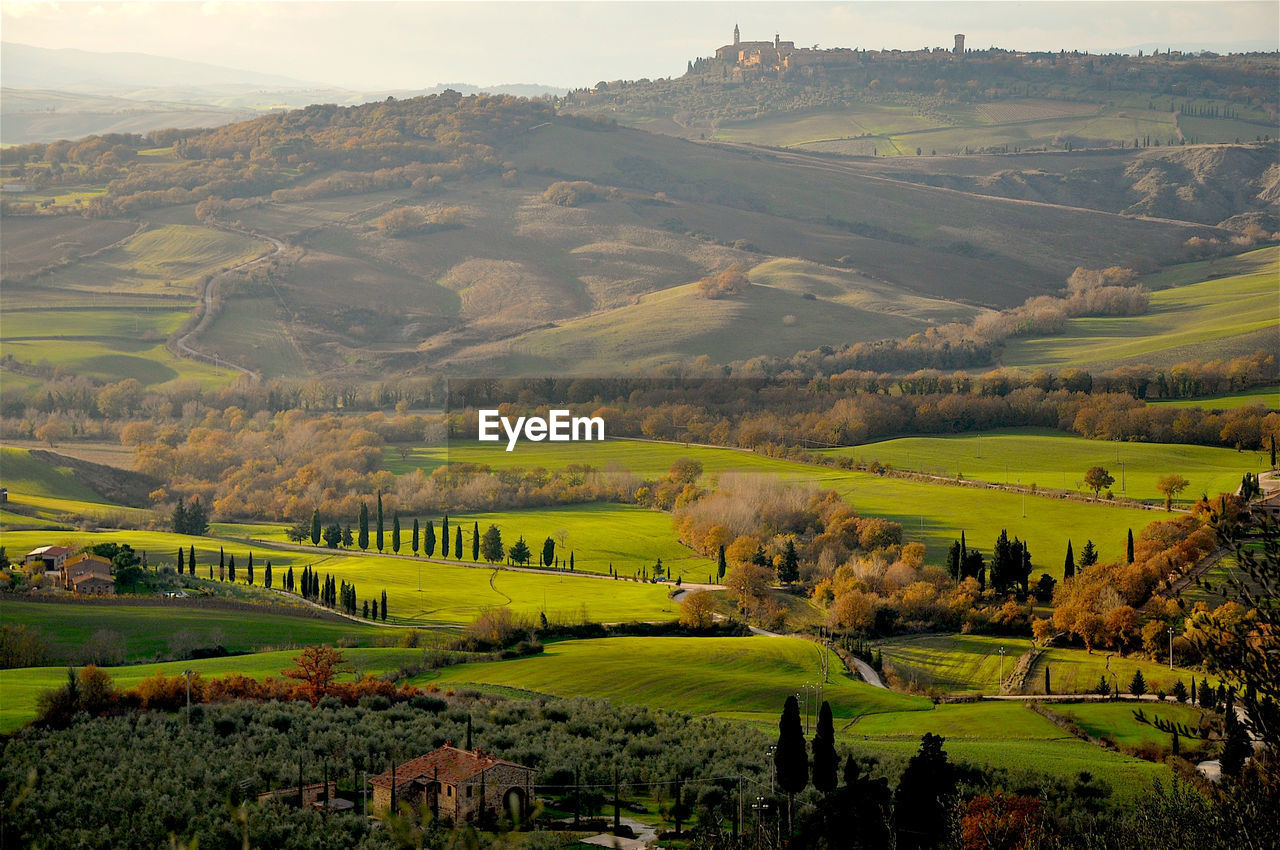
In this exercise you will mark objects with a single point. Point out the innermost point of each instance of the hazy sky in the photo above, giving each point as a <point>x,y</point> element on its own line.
<point>373,45</point>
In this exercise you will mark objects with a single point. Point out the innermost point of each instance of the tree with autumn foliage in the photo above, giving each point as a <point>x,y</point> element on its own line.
<point>318,668</point>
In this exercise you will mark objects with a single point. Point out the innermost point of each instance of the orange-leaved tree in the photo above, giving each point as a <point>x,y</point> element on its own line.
<point>317,670</point>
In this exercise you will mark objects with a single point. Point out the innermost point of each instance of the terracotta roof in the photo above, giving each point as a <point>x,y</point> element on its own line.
<point>450,764</point>
<point>87,577</point>
<point>88,564</point>
<point>50,551</point>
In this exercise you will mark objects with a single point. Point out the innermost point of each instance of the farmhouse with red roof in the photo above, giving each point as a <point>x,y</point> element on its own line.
<point>457,785</point>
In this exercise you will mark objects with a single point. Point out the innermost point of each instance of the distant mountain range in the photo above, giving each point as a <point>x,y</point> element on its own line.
<point>51,94</point>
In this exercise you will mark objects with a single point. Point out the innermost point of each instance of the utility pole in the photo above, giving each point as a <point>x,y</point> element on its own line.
<point>1171,647</point>
<point>773,750</point>
<point>1002,668</point>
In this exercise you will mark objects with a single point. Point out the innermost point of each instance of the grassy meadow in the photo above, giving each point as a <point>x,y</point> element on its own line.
<point>930,513</point>
<point>1116,722</point>
<point>1210,319</point>
<point>22,687</point>
<point>1052,459</point>
<point>150,630</point>
<point>745,678</point>
<point>1268,397</point>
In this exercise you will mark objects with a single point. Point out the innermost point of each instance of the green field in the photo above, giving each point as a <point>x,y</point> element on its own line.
<point>950,663</point>
<point>746,678</point>
<point>970,664</point>
<point>1075,671</point>
<point>1051,459</point>
<point>1212,319</point>
<point>22,473</point>
<point>1268,397</point>
<point>148,630</point>
<point>930,513</point>
<point>1116,721</point>
<point>20,688</point>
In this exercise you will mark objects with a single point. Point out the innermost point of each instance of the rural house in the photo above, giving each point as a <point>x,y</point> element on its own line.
<point>91,584</point>
<point>84,566</point>
<point>51,558</point>
<point>457,784</point>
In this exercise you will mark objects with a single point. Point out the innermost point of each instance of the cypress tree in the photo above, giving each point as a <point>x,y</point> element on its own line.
<point>366,609</point>
<point>347,539</point>
<point>572,568</point>
<point>222,565</point>
<point>249,569</point>
<point>1235,746</point>
<point>380,539</point>
<point>375,610</point>
<point>1273,451</point>
<point>1047,689</point>
<point>231,568</point>
<point>457,543</point>
<point>824,751</point>
<point>288,579</point>
<point>790,760</point>
<point>429,540</point>
<point>444,536</point>
<point>181,566</point>
<point>548,552</point>
<point>384,606</point>
<point>1069,565</point>
<point>1128,552</point>
<point>721,564</point>
<point>191,560</point>
<point>416,539</point>
<point>211,572</point>
<point>475,542</point>
<point>363,530</point>
<point>924,795</point>
<point>266,575</point>
<point>180,518</point>
<point>395,532</point>
<point>315,527</point>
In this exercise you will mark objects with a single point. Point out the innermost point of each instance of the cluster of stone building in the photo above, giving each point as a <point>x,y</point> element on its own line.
<point>85,574</point>
<point>784,56</point>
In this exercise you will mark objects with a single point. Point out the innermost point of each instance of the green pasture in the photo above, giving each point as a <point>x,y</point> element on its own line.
<point>1212,319</point>
<point>1268,397</point>
<point>1051,459</point>
<point>951,663</point>
<point>1064,758</point>
<point>151,630</point>
<point>21,687</point>
<point>747,678</point>
<point>933,514</point>
<point>626,536</point>
<point>989,719</point>
<point>598,534</point>
<point>22,473</point>
<point>53,511</point>
<point>1115,721</point>
<point>452,593</point>
<point>1076,671</point>
<point>114,360</point>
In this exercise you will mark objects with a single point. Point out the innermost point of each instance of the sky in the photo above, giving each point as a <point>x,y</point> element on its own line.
<point>407,45</point>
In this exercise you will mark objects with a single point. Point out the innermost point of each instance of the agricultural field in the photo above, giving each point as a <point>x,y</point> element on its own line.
<point>1035,122</point>
<point>952,664</point>
<point>22,687</point>
<point>147,629</point>
<point>970,664</point>
<point>933,514</point>
<point>1117,722</point>
<point>1053,460</point>
<point>1212,319</point>
<point>742,677</point>
<point>1268,397</point>
<point>748,679</point>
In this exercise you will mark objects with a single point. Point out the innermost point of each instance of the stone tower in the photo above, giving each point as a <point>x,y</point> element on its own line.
<point>959,48</point>
<point>737,37</point>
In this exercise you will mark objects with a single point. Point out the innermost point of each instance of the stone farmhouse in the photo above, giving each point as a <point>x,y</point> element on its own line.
<point>48,558</point>
<point>88,575</point>
<point>457,785</point>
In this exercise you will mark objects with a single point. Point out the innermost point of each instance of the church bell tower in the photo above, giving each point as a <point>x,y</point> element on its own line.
<point>737,38</point>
